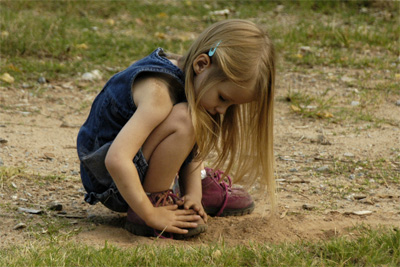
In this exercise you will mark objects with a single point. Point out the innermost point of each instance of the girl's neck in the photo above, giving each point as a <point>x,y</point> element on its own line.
<point>175,59</point>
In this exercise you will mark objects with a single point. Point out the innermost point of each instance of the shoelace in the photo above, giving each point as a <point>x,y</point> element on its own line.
<point>164,198</point>
<point>218,176</point>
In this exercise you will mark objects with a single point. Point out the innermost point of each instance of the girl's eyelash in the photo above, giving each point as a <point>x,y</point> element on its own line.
<point>221,98</point>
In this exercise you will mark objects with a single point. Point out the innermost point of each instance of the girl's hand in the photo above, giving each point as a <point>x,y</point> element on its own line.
<point>172,220</point>
<point>193,203</point>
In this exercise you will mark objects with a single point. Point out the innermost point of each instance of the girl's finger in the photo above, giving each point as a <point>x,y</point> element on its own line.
<point>203,215</point>
<point>186,224</point>
<point>185,212</point>
<point>176,230</point>
<point>188,218</point>
<point>171,207</point>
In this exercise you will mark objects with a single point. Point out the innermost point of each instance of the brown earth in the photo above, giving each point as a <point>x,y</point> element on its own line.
<point>38,128</point>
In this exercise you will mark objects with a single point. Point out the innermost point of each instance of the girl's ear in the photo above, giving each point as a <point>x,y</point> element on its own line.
<point>201,63</point>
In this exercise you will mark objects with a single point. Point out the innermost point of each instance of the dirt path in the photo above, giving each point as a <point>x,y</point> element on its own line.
<point>327,172</point>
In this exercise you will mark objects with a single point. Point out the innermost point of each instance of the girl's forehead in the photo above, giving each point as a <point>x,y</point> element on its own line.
<point>237,94</point>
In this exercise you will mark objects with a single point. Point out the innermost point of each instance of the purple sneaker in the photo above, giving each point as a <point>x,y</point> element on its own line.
<point>137,226</point>
<point>220,199</point>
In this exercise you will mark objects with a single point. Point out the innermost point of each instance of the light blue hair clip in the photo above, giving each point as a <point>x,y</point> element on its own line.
<point>213,49</point>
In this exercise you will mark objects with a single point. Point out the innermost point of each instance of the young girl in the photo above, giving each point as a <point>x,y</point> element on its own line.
<point>164,114</point>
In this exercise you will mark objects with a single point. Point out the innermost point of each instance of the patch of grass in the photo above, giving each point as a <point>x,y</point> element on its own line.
<point>7,175</point>
<point>367,247</point>
<point>360,114</point>
<point>60,39</point>
<point>381,171</point>
<point>310,106</point>
<point>345,35</point>
<point>52,229</point>
<point>323,106</point>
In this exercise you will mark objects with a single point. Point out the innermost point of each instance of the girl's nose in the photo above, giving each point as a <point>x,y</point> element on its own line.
<point>221,109</point>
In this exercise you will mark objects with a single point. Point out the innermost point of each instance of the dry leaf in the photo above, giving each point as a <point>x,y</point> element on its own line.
<point>110,22</point>
<point>4,34</point>
<point>82,46</point>
<point>325,114</point>
<point>13,68</point>
<point>295,108</point>
<point>160,35</point>
<point>5,77</point>
<point>162,15</point>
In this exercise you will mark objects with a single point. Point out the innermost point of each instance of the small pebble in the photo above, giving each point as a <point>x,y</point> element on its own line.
<point>367,201</point>
<point>308,207</point>
<point>355,103</point>
<point>358,197</point>
<point>352,176</point>
<point>305,49</point>
<point>91,76</point>
<point>56,206</point>
<point>26,85</point>
<point>349,197</point>
<point>348,154</point>
<point>31,211</point>
<point>360,212</point>
<point>347,79</point>
<point>293,170</point>
<point>323,168</point>
<point>74,173</point>
<point>19,226</point>
<point>42,80</point>
<point>398,103</point>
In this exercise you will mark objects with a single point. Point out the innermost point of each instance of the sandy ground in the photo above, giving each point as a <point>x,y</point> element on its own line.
<point>327,172</point>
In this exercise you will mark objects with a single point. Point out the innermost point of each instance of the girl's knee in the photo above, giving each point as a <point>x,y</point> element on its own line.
<point>181,119</point>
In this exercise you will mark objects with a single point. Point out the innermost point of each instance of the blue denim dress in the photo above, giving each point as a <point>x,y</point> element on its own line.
<point>111,110</point>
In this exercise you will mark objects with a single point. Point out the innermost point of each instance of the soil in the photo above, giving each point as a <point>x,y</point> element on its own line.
<point>327,173</point>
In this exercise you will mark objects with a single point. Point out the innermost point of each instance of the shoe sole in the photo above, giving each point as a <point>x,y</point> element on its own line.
<point>143,230</point>
<point>230,212</point>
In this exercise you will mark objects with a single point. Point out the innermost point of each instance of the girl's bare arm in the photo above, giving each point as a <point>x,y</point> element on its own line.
<point>153,106</point>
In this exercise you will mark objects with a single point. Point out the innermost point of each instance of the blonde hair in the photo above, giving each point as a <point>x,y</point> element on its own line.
<point>243,137</point>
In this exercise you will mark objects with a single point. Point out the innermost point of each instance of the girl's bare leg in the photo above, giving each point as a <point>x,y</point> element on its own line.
<point>167,147</point>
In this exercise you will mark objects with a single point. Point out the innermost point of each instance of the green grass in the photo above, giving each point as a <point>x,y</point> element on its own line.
<point>364,247</point>
<point>59,39</point>
<point>325,106</point>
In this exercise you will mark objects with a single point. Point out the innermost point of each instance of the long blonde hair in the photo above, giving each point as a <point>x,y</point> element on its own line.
<point>243,137</point>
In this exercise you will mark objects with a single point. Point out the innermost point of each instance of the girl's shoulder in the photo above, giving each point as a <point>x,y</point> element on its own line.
<point>157,84</point>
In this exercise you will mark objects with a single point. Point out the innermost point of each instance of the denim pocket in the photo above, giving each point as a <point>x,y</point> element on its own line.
<point>111,198</point>
<point>94,162</point>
